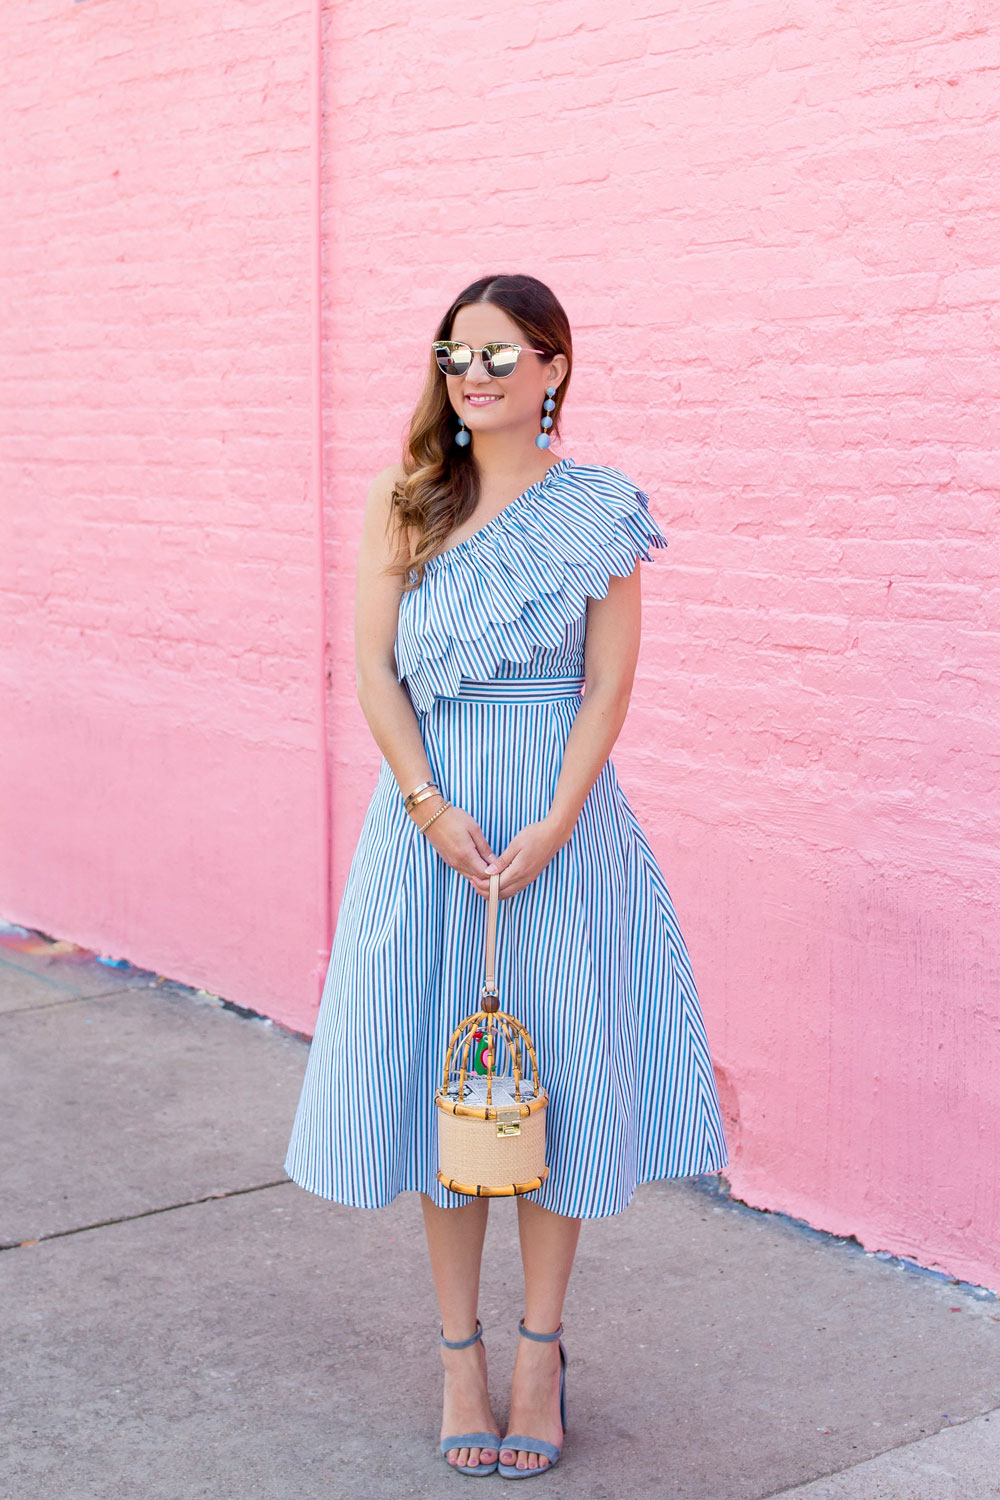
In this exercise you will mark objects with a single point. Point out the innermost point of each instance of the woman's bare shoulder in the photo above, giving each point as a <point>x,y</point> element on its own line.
<point>385,481</point>
<point>378,504</point>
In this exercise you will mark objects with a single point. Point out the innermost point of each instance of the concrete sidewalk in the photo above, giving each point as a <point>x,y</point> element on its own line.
<point>179,1320</point>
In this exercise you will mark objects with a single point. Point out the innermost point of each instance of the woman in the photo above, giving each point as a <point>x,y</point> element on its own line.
<point>493,581</point>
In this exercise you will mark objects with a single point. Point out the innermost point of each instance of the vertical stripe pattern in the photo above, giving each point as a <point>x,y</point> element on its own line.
<point>590,956</point>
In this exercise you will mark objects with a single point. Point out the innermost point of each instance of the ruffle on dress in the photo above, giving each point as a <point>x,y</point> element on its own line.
<point>514,586</point>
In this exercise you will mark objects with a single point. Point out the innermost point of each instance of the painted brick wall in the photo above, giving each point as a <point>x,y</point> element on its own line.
<point>774,230</point>
<point>158,583</point>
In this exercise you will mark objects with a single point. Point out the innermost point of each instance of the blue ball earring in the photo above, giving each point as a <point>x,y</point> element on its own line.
<point>463,437</point>
<point>548,406</point>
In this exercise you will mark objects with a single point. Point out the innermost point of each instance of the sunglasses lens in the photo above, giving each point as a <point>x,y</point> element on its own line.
<point>453,359</point>
<point>501,360</point>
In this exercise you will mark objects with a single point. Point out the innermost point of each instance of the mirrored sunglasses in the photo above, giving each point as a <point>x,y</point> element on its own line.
<point>498,359</point>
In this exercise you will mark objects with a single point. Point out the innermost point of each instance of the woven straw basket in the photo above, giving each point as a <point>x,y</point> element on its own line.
<point>491,1126</point>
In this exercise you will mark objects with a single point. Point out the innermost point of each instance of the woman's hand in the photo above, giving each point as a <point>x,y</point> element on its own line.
<point>458,839</point>
<point>526,856</point>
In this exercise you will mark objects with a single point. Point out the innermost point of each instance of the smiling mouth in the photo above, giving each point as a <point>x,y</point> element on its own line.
<point>482,400</point>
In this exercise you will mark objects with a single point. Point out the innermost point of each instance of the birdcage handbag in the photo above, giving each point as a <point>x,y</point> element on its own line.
<point>491,1125</point>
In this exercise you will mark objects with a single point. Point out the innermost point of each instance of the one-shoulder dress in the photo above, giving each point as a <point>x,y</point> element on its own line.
<point>589,955</point>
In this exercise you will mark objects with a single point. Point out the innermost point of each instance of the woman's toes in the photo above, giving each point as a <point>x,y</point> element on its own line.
<point>514,1458</point>
<point>532,1461</point>
<point>471,1458</point>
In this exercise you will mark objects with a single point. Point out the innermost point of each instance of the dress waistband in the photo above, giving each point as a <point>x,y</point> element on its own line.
<point>517,689</point>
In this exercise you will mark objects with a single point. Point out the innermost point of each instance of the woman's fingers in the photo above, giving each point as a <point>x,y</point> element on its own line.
<point>501,861</point>
<point>513,877</point>
<point>474,866</point>
<point>479,842</point>
<point>463,855</point>
<point>462,844</point>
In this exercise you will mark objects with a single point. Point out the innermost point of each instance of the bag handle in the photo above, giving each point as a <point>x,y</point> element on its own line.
<point>491,995</point>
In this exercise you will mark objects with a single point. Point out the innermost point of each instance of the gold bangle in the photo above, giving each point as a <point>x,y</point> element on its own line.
<point>432,791</point>
<point>430,820</point>
<point>410,795</point>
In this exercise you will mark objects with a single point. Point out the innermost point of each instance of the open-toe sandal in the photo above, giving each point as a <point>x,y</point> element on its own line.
<point>470,1439</point>
<point>523,1444</point>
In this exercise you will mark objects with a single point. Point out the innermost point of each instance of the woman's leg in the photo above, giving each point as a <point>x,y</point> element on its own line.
<point>455,1241</point>
<point>548,1245</point>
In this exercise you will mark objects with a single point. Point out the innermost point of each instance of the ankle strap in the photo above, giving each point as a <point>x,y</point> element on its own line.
<point>462,1343</point>
<point>543,1338</point>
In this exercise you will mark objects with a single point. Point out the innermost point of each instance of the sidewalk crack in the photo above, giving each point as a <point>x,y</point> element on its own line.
<point>148,1213</point>
<point>923,1437</point>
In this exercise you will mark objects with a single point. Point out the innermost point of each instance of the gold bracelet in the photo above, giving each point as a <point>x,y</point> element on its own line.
<point>430,820</point>
<point>432,791</point>
<point>410,795</point>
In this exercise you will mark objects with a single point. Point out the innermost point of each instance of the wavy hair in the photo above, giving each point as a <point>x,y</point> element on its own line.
<point>441,488</point>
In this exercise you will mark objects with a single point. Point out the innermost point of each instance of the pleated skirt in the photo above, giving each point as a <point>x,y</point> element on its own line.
<point>589,957</point>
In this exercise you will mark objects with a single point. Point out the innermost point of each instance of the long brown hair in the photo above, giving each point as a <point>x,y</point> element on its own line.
<point>441,488</point>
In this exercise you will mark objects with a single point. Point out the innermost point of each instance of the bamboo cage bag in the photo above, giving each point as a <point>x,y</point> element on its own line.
<point>491,1126</point>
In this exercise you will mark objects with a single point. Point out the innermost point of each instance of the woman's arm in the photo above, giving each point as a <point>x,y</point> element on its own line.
<point>610,654</point>
<point>384,700</point>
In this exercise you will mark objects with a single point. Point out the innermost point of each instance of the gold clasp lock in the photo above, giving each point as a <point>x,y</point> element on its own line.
<point>508,1122</point>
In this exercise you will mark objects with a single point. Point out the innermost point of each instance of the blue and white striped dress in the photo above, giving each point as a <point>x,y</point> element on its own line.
<point>589,955</point>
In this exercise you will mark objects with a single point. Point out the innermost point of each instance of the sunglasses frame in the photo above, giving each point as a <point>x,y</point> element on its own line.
<point>484,353</point>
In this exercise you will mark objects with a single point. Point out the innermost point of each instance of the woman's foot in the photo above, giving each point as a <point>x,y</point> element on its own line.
<point>467,1403</point>
<point>534,1402</point>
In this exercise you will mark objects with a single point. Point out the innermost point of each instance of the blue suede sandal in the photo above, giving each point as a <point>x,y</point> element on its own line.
<point>470,1439</point>
<point>538,1445</point>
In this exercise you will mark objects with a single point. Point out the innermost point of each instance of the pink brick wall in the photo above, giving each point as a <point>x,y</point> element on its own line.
<point>774,232</point>
<point>159,591</point>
